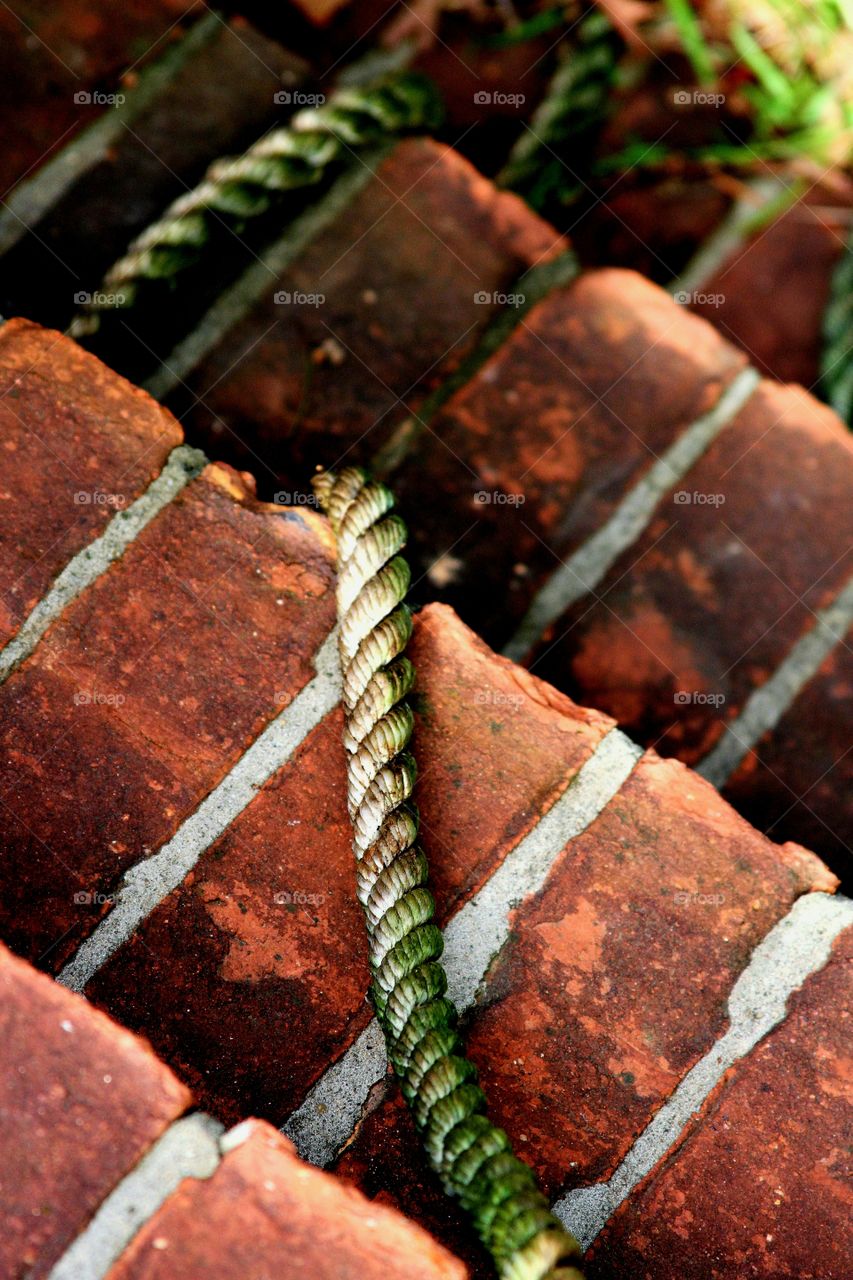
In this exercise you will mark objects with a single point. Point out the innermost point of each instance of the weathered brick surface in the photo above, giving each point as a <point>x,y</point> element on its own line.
<point>618,974</point>
<point>250,997</point>
<point>531,456</point>
<point>761,1184</point>
<point>612,984</point>
<point>797,779</point>
<point>51,52</point>
<point>265,1213</point>
<point>399,271</point>
<point>774,290</point>
<point>80,1101</point>
<point>217,103</point>
<point>704,607</point>
<point>78,443</point>
<point>145,692</point>
<point>613,981</point>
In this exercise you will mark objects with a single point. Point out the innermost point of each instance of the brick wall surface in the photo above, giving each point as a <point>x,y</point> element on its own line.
<point>647,982</point>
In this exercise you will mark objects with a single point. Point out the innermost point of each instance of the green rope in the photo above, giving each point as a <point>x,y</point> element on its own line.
<point>837,354</point>
<point>473,1158</point>
<point>568,118</point>
<point>236,190</point>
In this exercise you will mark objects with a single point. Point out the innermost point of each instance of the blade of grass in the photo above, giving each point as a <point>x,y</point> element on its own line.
<point>692,40</point>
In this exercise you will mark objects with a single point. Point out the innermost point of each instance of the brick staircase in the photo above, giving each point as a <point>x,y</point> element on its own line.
<point>587,467</point>
<point>654,992</point>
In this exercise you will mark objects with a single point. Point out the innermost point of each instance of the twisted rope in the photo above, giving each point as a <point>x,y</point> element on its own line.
<point>570,115</point>
<point>236,190</point>
<point>837,354</point>
<point>472,1157</point>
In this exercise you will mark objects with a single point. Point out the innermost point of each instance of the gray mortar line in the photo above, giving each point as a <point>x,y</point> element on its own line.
<point>328,1116</point>
<point>192,1147</point>
<point>182,466</point>
<point>759,196</point>
<point>766,706</point>
<point>585,569</point>
<point>799,945</point>
<point>236,302</point>
<point>147,883</point>
<point>32,199</point>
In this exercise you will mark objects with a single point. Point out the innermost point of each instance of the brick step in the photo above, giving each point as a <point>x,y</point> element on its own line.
<point>51,55</point>
<point>85,1106</point>
<point>770,292</point>
<point>617,936</point>
<point>415,265</point>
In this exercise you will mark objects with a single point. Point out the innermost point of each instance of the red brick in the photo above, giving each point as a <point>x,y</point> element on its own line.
<point>221,976</point>
<point>52,52</point>
<point>265,1213</point>
<point>571,411</point>
<point>80,1102</point>
<point>496,748</point>
<point>712,597</point>
<point>612,984</point>
<point>797,782</point>
<point>399,270</point>
<point>616,978</point>
<point>249,998</point>
<point>76,441</point>
<point>761,1185</point>
<point>146,691</point>
<point>775,289</point>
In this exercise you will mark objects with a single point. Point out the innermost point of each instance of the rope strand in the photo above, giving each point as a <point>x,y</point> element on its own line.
<point>236,190</point>
<point>472,1157</point>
